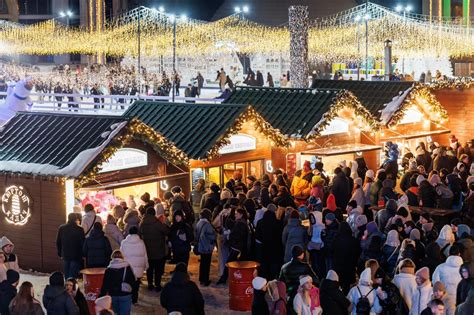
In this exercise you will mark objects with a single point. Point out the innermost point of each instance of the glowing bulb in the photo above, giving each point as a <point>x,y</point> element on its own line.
<point>245,9</point>
<point>237,9</point>
<point>161,9</point>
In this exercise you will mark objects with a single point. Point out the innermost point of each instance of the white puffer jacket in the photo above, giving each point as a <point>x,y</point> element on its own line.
<point>406,283</point>
<point>421,298</point>
<point>134,251</point>
<point>448,274</point>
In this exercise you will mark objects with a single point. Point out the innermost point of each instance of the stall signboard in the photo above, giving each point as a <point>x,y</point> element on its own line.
<point>16,205</point>
<point>125,158</point>
<point>336,126</point>
<point>239,143</point>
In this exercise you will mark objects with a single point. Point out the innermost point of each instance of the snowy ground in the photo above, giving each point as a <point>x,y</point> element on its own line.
<point>216,297</point>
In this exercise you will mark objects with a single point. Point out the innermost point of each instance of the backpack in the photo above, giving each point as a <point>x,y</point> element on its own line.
<point>363,306</point>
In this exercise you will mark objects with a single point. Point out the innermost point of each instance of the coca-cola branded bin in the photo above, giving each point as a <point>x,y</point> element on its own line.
<point>241,274</point>
<point>93,278</point>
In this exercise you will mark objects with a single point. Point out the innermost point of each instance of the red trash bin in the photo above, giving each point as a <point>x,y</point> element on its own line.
<point>241,274</point>
<point>93,278</point>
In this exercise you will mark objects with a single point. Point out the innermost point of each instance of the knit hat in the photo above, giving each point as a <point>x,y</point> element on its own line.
<point>358,181</point>
<point>332,275</point>
<point>307,164</point>
<point>305,279</point>
<point>215,188</point>
<point>331,203</point>
<point>371,227</point>
<point>379,274</point>
<point>407,266</point>
<point>423,273</point>
<point>296,251</point>
<point>415,235</point>
<point>366,276</point>
<point>56,278</point>
<point>258,283</point>
<point>272,207</point>
<point>13,276</point>
<point>420,179</point>
<point>103,303</point>
<point>439,286</point>
<point>370,174</point>
<point>330,216</point>
<point>360,220</point>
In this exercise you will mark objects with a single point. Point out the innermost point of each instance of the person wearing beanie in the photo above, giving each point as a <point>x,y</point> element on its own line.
<point>467,274</point>
<point>448,274</point>
<point>259,304</point>
<point>8,290</point>
<point>332,227</point>
<point>377,186</point>
<point>333,301</point>
<point>423,292</point>
<point>206,239</point>
<point>364,288</point>
<point>341,188</point>
<point>405,280</point>
<point>384,215</point>
<point>307,301</point>
<point>388,294</point>
<point>387,192</point>
<point>294,233</point>
<point>103,304</point>
<point>181,294</point>
<point>181,236</point>
<point>179,203</point>
<point>345,254</point>
<point>291,271</point>
<point>56,300</point>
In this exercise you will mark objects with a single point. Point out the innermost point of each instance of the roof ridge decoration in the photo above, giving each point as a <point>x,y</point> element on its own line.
<point>457,83</point>
<point>138,131</point>
<point>422,91</point>
<point>261,125</point>
<point>344,98</point>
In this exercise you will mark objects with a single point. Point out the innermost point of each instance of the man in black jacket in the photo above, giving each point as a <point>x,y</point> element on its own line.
<point>340,188</point>
<point>69,242</point>
<point>8,291</point>
<point>291,271</point>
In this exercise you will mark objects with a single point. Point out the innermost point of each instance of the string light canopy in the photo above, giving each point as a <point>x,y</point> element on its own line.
<point>331,39</point>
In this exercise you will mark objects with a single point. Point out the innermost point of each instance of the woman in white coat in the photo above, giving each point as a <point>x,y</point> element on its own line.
<point>448,274</point>
<point>405,281</point>
<point>364,288</point>
<point>423,292</point>
<point>134,252</point>
<point>113,233</point>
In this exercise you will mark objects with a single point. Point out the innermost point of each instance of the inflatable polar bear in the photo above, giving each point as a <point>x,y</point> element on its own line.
<point>18,100</point>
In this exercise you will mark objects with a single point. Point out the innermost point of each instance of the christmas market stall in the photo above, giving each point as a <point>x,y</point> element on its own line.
<point>407,112</point>
<point>219,139</point>
<point>49,163</point>
<point>322,125</point>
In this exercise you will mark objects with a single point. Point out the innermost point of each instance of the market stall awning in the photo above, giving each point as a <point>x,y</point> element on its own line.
<point>416,134</point>
<point>342,149</point>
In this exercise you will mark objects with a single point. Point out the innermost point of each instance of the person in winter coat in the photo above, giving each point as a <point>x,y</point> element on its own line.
<point>465,240</point>
<point>467,282</point>
<point>316,244</point>
<point>206,238</point>
<point>134,252</point>
<point>211,199</point>
<point>179,203</point>
<point>448,273</point>
<point>377,186</point>
<point>307,300</point>
<point>384,215</point>
<point>259,304</point>
<point>89,218</point>
<point>8,291</point>
<point>113,233</point>
<point>146,203</point>
<point>368,182</point>
<point>69,242</point>
<point>330,235</point>
<point>364,288</point>
<point>390,251</point>
<point>196,195</point>
<point>405,280</point>
<point>154,233</point>
<point>96,248</point>
<point>389,296</point>
<point>269,234</point>
<point>73,289</point>
<point>301,185</point>
<point>333,301</point>
<point>433,257</point>
<point>25,302</point>
<point>444,194</point>
<point>441,161</point>
<point>424,290</point>
<point>293,234</point>
<point>182,295</point>
<point>445,239</point>
<point>131,218</point>
<point>340,188</point>
<point>358,193</point>
<point>56,300</point>
<point>11,259</point>
<point>277,294</point>
<point>405,180</point>
<point>467,308</point>
<point>118,283</point>
<point>291,271</point>
<point>426,194</point>
<point>345,255</point>
<point>181,236</point>
<point>387,192</point>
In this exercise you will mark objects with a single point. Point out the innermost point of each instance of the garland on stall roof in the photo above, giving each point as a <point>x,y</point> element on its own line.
<point>261,125</point>
<point>437,111</point>
<point>138,131</point>
<point>342,100</point>
<point>459,84</point>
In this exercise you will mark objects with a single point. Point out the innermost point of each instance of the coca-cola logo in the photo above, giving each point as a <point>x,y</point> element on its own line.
<point>249,291</point>
<point>91,296</point>
<point>238,275</point>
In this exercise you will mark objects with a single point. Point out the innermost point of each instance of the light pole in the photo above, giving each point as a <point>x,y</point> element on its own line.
<point>68,14</point>
<point>173,19</point>
<point>367,18</point>
<point>241,12</point>
<point>357,20</point>
<point>407,9</point>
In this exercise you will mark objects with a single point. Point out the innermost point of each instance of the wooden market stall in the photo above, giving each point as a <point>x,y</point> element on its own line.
<point>47,160</point>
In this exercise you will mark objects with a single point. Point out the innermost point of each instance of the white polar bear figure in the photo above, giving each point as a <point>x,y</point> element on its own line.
<point>18,100</point>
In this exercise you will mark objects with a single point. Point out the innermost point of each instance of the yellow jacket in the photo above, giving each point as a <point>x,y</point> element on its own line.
<point>300,187</point>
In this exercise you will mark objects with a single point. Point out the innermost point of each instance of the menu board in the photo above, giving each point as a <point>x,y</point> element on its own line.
<point>196,174</point>
<point>291,164</point>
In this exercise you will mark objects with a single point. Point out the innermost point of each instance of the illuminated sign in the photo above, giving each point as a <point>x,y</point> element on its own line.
<point>16,205</point>
<point>239,143</point>
<point>336,126</point>
<point>125,158</point>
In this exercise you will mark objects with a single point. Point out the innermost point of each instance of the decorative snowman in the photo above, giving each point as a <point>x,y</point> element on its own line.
<point>18,100</point>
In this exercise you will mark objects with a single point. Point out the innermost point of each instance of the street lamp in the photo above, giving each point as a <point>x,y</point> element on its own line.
<point>161,9</point>
<point>173,19</point>
<point>245,9</point>
<point>68,14</point>
<point>237,10</point>
<point>405,10</point>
